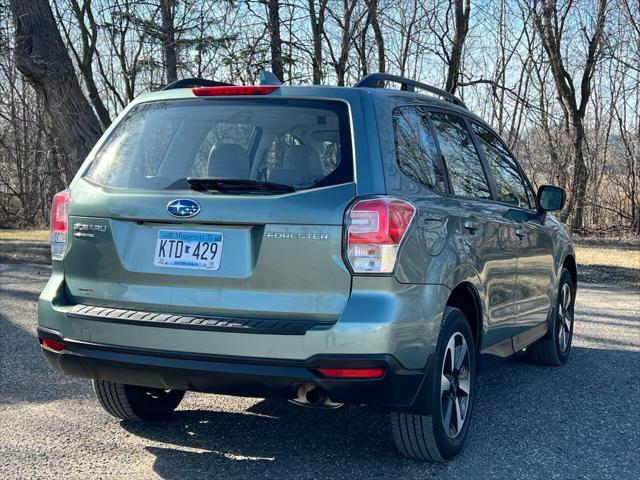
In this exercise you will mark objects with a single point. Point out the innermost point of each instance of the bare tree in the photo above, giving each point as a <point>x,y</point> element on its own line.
<point>317,32</point>
<point>42,58</point>
<point>275,41</point>
<point>374,6</point>
<point>461,28</point>
<point>551,23</point>
<point>86,24</point>
<point>168,16</point>
<point>120,67</point>
<point>347,22</point>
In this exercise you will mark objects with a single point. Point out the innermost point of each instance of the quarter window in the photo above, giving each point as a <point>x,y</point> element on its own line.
<point>511,187</point>
<point>464,166</point>
<point>416,151</point>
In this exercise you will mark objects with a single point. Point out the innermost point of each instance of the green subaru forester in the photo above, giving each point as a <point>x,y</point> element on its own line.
<point>324,245</point>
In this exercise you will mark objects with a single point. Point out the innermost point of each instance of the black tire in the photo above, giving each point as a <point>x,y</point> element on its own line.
<point>548,350</point>
<point>130,402</point>
<point>425,437</point>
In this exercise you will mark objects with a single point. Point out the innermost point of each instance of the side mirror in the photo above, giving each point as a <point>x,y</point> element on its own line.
<point>550,198</point>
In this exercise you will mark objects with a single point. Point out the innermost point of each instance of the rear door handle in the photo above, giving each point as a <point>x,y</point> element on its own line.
<point>471,225</point>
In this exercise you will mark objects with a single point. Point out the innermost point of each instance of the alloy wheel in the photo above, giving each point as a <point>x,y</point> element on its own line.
<point>565,317</point>
<point>455,385</point>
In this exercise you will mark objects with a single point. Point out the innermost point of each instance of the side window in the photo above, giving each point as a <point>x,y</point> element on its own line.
<point>464,166</point>
<point>416,150</point>
<point>511,187</point>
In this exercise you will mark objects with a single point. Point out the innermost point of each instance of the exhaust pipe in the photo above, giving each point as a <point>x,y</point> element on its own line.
<point>310,395</point>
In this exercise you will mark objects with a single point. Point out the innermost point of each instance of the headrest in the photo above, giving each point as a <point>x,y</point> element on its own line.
<point>302,158</point>
<point>228,160</point>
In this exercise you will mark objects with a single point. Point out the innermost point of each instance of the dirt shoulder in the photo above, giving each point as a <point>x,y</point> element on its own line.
<point>25,246</point>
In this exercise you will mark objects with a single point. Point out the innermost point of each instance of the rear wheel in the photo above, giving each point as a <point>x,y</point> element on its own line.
<point>131,402</point>
<point>554,348</point>
<point>441,436</point>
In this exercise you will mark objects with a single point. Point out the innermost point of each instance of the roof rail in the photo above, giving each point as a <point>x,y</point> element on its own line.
<point>194,82</point>
<point>374,80</point>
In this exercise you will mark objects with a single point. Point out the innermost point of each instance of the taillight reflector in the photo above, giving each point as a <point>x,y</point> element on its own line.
<point>52,345</point>
<point>351,372</point>
<point>60,224</point>
<point>234,90</point>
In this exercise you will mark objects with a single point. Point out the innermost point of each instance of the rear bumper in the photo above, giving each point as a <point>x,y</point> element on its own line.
<point>381,317</point>
<point>397,389</point>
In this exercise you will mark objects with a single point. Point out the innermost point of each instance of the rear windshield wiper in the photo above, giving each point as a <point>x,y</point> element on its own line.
<point>232,185</point>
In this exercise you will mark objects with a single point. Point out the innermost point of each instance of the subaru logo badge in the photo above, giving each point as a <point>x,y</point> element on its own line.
<point>183,208</point>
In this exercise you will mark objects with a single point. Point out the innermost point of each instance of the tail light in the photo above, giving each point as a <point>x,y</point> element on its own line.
<point>60,224</point>
<point>376,228</point>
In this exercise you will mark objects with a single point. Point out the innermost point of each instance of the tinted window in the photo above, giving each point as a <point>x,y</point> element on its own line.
<point>302,143</point>
<point>510,185</point>
<point>465,170</point>
<point>416,150</point>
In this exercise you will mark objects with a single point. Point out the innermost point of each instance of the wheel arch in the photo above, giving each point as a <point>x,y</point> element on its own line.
<point>466,298</point>
<point>570,264</point>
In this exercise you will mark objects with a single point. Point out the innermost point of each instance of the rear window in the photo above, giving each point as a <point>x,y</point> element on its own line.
<point>300,143</point>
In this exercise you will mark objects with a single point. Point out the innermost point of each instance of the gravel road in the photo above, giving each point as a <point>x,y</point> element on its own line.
<point>579,421</point>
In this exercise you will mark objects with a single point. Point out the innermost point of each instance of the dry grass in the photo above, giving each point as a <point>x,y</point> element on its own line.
<point>25,246</point>
<point>608,256</point>
<point>24,235</point>
<point>613,260</point>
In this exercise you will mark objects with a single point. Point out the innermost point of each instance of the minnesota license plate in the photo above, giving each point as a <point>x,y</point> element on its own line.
<point>184,249</point>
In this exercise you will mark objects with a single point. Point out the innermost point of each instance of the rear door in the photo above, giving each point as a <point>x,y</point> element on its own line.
<point>489,241</point>
<point>534,284</point>
<point>143,239</point>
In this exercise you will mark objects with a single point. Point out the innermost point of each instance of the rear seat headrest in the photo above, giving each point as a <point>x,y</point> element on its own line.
<point>228,160</point>
<point>303,158</point>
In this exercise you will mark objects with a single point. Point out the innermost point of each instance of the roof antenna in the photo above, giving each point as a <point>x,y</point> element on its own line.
<point>268,78</point>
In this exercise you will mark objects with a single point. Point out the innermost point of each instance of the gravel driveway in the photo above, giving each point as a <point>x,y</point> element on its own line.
<point>579,421</point>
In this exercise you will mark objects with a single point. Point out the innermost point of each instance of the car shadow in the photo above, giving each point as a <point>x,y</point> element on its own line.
<point>522,411</point>
<point>270,439</point>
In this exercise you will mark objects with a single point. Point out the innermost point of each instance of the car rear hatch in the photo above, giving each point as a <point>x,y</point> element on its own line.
<point>229,208</point>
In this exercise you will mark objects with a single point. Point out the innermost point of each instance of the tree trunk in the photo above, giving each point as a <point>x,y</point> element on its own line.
<point>317,30</point>
<point>167,10</point>
<point>42,58</point>
<point>372,5</point>
<point>345,42</point>
<point>277,67</point>
<point>94,96</point>
<point>580,176</point>
<point>463,11</point>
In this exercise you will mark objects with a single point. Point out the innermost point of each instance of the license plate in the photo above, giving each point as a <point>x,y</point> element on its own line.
<point>183,249</point>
